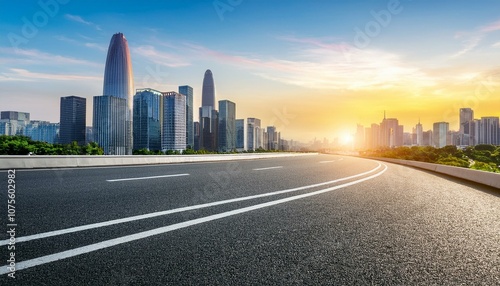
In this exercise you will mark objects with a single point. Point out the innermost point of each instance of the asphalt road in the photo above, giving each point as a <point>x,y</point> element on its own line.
<point>312,220</point>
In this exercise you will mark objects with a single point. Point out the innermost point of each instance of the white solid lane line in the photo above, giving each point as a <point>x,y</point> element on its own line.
<point>147,178</point>
<point>137,236</point>
<point>331,161</point>
<point>268,168</point>
<point>323,162</point>
<point>178,210</point>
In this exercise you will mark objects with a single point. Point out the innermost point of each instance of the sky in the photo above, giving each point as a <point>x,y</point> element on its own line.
<point>313,69</point>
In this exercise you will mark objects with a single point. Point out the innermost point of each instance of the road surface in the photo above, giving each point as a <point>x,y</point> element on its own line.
<point>312,220</point>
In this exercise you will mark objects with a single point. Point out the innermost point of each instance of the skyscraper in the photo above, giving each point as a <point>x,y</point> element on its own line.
<point>253,134</point>
<point>187,91</point>
<point>89,134</point>
<point>391,133</point>
<point>119,82</point>
<point>489,130</point>
<point>227,126</point>
<point>196,131</point>
<point>208,90</point>
<point>439,134</point>
<point>375,136</point>
<point>466,135</point>
<point>147,119</point>
<point>174,122</point>
<point>72,119</point>
<point>240,135</point>
<point>109,124</point>
<point>359,138</point>
<point>427,138</point>
<point>208,115</point>
<point>272,138</point>
<point>420,134</point>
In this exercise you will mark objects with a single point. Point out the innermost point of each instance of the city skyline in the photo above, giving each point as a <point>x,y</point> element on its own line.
<point>315,71</point>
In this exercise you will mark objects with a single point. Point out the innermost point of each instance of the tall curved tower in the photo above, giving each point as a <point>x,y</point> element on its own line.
<point>118,79</point>
<point>208,90</point>
<point>208,114</point>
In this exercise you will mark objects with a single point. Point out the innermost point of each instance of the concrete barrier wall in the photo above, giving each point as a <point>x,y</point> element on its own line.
<point>40,161</point>
<point>482,177</point>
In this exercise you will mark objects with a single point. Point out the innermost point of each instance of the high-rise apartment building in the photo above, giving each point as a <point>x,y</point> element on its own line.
<point>109,124</point>
<point>43,131</point>
<point>72,120</point>
<point>119,82</point>
<point>174,122</point>
<point>147,119</point>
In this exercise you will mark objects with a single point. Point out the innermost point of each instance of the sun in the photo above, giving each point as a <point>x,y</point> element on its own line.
<point>346,139</point>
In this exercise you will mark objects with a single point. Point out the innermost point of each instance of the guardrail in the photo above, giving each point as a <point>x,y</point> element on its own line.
<point>69,161</point>
<point>482,177</point>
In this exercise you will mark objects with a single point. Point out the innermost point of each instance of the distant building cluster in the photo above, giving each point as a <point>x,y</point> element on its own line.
<point>149,119</point>
<point>390,134</point>
<point>19,123</point>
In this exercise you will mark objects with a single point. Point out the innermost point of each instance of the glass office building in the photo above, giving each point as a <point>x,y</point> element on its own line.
<point>227,126</point>
<point>110,124</point>
<point>147,119</point>
<point>187,91</point>
<point>72,120</point>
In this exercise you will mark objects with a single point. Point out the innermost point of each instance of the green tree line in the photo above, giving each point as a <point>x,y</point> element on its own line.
<point>23,145</point>
<point>480,157</point>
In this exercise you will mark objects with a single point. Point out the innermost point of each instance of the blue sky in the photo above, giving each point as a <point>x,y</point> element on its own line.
<point>298,65</point>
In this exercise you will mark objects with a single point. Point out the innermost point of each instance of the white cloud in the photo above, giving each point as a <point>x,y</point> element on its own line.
<point>495,26</point>
<point>26,75</point>
<point>95,46</point>
<point>160,57</point>
<point>79,19</point>
<point>76,42</point>
<point>468,45</point>
<point>472,39</point>
<point>318,64</point>
<point>39,57</point>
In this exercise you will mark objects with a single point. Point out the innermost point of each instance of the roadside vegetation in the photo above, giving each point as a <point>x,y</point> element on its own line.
<point>480,157</point>
<point>23,145</point>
